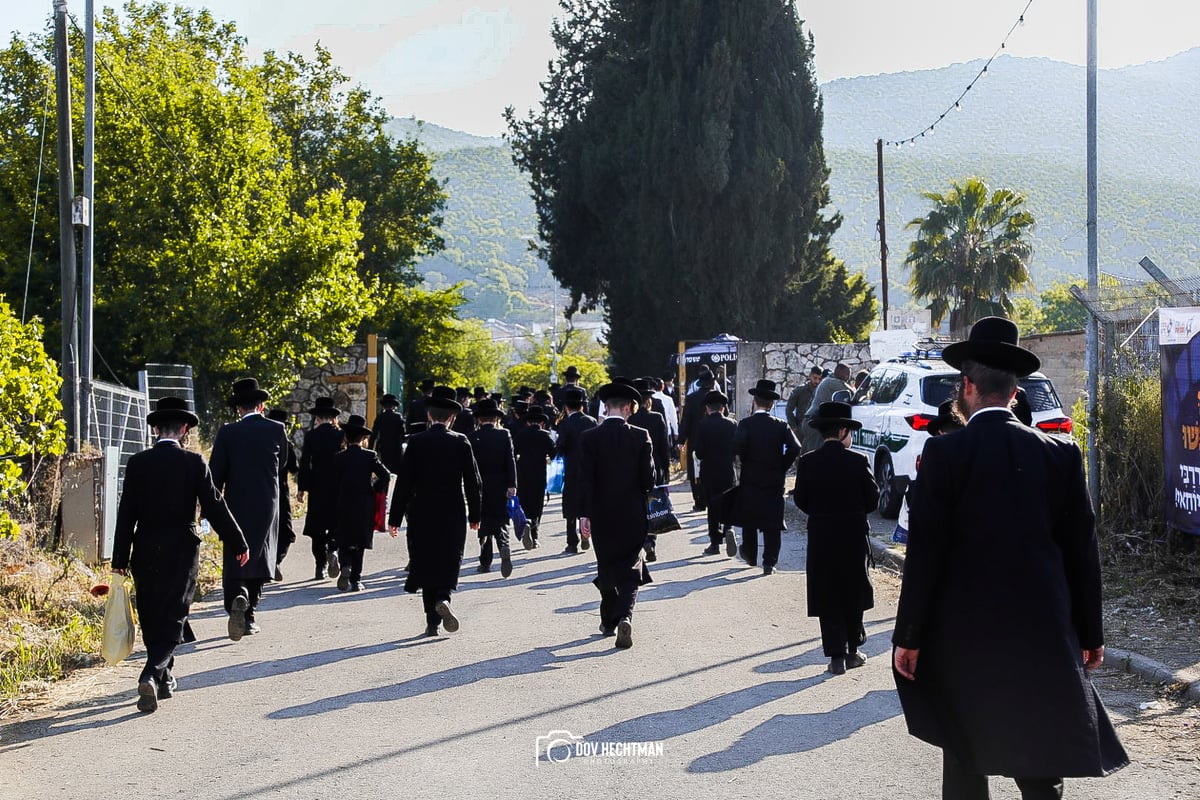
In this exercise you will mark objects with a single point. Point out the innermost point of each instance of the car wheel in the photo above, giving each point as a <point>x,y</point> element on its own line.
<point>890,497</point>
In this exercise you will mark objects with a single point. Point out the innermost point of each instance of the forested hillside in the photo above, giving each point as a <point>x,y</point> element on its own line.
<point>1022,126</point>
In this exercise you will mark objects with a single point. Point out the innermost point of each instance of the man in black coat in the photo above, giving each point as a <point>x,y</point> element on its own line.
<point>464,421</point>
<point>415,423</point>
<point>835,488</point>
<point>617,470</point>
<point>569,431</point>
<point>654,424</point>
<point>156,519</point>
<point>534,447</point>
<point>571,376</point>
<point>693,412</point>
<point>387,437</point>
<point>713,445</point>
<point>493,449</point>
<point>321,443</point>
<point>247,457</point>
<point>766,447</point>
<point>287,533</point>
<point>438,490</point>
<point>358,476</point>
<point>999,618</point>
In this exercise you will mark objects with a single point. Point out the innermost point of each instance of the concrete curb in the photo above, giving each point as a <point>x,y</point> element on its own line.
<point>1128,661</point>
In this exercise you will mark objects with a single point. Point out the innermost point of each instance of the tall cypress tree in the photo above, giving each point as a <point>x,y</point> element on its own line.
<point>680,179</point>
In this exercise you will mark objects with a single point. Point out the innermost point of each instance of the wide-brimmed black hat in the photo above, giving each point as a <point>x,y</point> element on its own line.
<point>389,400</point>
<point>765,390</point>
<point>994,342</point>
<point>246,392</point>
<point>278,414</point>
<point>324,407</point>
<point>644,387</point>
<point>715,397</point>
<point>486,408</point>
<point>444,397</point>
<point>428,384</point>
<point>834,415</point>
<point>619,390</point>
<point>571,372</point>
<point>462,391</point>
<point>537,414</point>
<point>479,393</point>
<point>572,395</point>
<point>356,426</point>
<point>946,420</point>
<point>171,409</point>
<point>520,406</point>
<point>525,392</point>
<point>499,398</point>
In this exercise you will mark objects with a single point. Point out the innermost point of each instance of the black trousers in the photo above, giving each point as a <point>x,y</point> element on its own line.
<point>716,509</point>
<point>572,532</point>
<point>697,489</point>
<point>351,559</point>
<point>618,595</point>
<point>429,599</point>
<point>959,783</point>
<point>771,543</point>
<point>160,658</point>
<point>842,634</point>
<point>250,587</point>
<point>324,542</point>
<point>490,529</point>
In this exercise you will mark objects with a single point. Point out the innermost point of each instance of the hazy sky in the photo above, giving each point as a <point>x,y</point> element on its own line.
<point>460,62</point>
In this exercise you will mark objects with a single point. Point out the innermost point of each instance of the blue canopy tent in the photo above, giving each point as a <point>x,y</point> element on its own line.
<point>717,351</point>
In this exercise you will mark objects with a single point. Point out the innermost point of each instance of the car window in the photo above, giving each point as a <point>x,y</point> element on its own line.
<point>889,386</point>
<point>937,389</point>
<point>1040,393</point>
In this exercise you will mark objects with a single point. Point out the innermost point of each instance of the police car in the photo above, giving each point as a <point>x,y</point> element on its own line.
<point>901,398</point>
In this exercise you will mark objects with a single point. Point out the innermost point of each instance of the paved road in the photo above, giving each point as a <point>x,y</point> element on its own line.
<point>340,696</point>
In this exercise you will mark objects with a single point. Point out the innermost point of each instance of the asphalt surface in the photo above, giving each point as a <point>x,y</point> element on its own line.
<point>724,694</point>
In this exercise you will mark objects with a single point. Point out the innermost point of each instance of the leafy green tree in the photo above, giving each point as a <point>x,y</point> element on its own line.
<point>574,349</point>
<point>31,423</point>
<point>677,167</point>
<point>1060,310</point>
<point>971,252</point>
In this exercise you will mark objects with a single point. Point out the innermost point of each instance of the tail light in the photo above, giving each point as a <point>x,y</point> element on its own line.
<point>919,422</point>
<point>1056,425</point>
<point>918,461</point>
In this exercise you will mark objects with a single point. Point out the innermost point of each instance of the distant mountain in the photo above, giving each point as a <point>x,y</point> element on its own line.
<point>1022,126</point>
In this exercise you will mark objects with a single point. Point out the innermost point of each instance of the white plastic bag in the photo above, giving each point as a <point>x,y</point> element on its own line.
<point>117,640</point>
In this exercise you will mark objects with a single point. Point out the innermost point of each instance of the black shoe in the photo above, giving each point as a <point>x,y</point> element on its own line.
<point>147,696</point>
<point>448,619</point>
<point>166,689</point>
<point>484,568</point>
<point>585,542</point>
<point>431,630</point>
<point>651,555</point>
<point>343,582</point>
<point>606,631</point>
<point>624,634</point>
<point>837,665</point>
<point>571,550</point>
<point>320,575</point>
<point>768,570</point>
<point>334,566</point>
<point>731,546</point>
<point>505,564</point>
<point>746,557</point>
<point>278,574</point>
<point>712,550</point>
<point>252,627</point>
<point>355,586</point>
<point>237,617</point>
<point>855,660</point>
<point>527,540</point>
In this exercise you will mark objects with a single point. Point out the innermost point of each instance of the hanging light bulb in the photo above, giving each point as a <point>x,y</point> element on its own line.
<point>1021,20</point>
<point>897,145</point>
<point>957,105</point>
<point>984,71</point>
<point>931,130</point>
<point>912,142</point>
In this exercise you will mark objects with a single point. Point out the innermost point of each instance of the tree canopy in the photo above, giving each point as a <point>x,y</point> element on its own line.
<point>677,168</point>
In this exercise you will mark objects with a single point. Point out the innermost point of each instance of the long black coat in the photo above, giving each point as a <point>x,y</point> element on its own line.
<point>617,471</point>
<point>569,431</point>
<point>320,446</point>
<point>1001,593</point>
<point>247,457</point>
<point>358,474</point>
<point>438,490</point>
<point>654,424</point>
<point>156,519</point>
<point>417,419</point>
<point>493,448</point>
<point>713,445</point>
<point>464,422</point>
<point>387,438</point>
<point>834,486</point>
<point>766,447</point>
<point>533,448</point>
<point>287,534</point>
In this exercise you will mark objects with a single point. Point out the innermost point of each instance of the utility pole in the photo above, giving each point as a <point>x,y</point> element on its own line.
<point>89,210</point>
<point>554,337</point>
<point>882,232</point>
<point>66,229</point>
<point>1093,262</point>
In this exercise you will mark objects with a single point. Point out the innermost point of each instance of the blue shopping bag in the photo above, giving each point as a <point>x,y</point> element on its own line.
<point>554,476</point>
<point>517,515</point>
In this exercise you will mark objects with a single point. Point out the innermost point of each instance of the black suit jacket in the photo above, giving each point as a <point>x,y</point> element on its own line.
<point>713,445</point>
<point>1001,592</point>
<point>493,448</point>
<point>533,447</point>
<point>247,457</point>
<point>569,431</point>
<point>387,438</point>
<point>654,424</point>
<point>316,476</point>
<point>766,447</point>
<point>617,470</point>
<point>358,474</point>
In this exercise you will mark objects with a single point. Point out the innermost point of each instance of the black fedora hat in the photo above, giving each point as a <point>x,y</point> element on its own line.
<point>571,372</point>
<point>644,387</point>
<point>765,389</point>
<point>389,400</point>
<point>443,397</point>
<point>572,395</point>
<point>171,409</point>
<point>486,408</point>
<point>715,397</point>
<point>324,407</point>
<point>356,426</point>
<point>619,390</point>
<point>479,393</point>
<point>945,421</point>
<point>246,392</point>
<point>834,415</point>
<point>537,414</point>
<point>993,342</point>
<point>278,414</point>
<point>428,384</point>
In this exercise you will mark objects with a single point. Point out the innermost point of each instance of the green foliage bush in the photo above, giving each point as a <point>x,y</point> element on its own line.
<point>587,356</point>
<point>1131,458</point>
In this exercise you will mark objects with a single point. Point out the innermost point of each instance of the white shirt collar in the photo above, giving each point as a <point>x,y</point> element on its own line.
<point>168,439</point>
<point>761,411</point>
<point>614,416</point>
<point>251,414</point>
<point>1005,409</point>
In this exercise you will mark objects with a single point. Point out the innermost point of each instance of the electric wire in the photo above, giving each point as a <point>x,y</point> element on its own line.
<point>37,192</point>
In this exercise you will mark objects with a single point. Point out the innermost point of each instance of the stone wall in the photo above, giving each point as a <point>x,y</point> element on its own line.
<point>1064,362</point>
<point>315,381</point>
<point>788,363</point>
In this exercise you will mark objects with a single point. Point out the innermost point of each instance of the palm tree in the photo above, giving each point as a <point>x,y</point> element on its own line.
<point>972,250</point>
